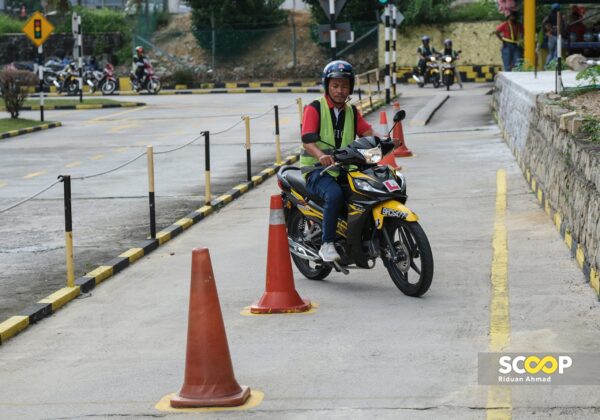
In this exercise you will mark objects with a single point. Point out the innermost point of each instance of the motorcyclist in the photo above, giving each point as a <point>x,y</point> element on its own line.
<point>329,123</point>
<point>448,49</point>
<point>424,51</point>
<point>139,61</point>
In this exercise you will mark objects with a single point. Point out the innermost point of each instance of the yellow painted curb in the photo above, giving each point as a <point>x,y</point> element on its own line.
<point>241,187</point>
<point>163,237</point>
<point>61,297</point>
<point>184,223</point>
<point>12,326</point>
<point>595,280</point>
<point>579,256</point>
<point>205,210</point>
<point>133,254</point>
<point>101,273</point>
<point>557,220</point>
<point>568,239</point>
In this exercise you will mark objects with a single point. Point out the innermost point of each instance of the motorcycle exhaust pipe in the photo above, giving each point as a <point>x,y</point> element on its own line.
<point>417,78</point>
<point>302,251</point>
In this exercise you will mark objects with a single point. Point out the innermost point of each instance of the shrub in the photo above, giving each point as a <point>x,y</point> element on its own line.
<point>591,75</point>
<point>10,25</point>
<point>13,89</point>
<point>183,76</point>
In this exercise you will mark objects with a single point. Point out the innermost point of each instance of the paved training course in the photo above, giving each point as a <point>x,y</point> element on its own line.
<point>367,351</point>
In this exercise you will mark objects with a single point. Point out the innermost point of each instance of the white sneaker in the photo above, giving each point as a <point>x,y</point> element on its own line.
<point>328,252</point>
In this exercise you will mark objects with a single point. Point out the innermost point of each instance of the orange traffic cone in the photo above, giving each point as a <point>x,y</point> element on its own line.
<point>209,378</point>
<point>398,133</point>
<point>389,159</point>
<point>280,295</point>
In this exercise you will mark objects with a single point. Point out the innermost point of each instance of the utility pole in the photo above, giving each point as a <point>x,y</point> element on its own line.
<point>387,54</point>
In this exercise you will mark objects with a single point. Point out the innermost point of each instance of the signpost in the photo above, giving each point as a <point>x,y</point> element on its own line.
<point>38,29</point>
<point>332,8</point>
<point>78,50</point>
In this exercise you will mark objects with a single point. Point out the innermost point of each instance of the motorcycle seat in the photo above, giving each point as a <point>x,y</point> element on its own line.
<point>294,177</point>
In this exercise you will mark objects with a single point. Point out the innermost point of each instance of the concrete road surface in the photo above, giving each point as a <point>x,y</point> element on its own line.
<point>367,351</point>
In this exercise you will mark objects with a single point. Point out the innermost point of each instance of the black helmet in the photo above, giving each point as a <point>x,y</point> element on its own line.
<point>447,42</point>
<point>338,70</point>
<point>425,38</point>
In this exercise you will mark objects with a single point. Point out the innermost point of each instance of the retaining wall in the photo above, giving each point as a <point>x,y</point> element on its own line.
<point>560,163</point>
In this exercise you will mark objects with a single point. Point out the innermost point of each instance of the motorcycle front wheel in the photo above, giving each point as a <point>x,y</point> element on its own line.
<point>154,86</point>
<point>412,269</point>
<point>298,228</point>
<point>436,82</point>
<point>72,87</point>
<point>108,87</point>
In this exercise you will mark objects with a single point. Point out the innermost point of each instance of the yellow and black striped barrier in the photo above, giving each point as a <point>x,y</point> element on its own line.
<point>81,106</point>
<point>468,73</point>
<point>14,133</point>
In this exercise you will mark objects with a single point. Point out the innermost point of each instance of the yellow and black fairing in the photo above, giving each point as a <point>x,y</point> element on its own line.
<point>366,212</point>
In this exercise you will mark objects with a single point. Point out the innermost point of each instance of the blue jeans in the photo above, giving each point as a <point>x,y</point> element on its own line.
<point>511,53</point>
<point>327,188</point>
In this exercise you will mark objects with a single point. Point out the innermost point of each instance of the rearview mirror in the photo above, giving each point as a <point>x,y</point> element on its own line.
<point>400,115</point>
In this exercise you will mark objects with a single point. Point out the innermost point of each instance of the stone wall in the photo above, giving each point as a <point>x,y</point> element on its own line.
<point>476,40</point>
<point>17,47</point>
<point>561,164</point>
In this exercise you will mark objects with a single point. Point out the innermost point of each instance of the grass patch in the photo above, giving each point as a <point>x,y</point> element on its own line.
<point>48,102</point>
<point>10,124</point>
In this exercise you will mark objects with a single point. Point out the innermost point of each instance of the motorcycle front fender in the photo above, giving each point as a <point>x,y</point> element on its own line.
<point>392,208</point>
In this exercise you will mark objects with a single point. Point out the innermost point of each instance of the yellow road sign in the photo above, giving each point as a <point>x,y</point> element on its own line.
<point>38,28</point>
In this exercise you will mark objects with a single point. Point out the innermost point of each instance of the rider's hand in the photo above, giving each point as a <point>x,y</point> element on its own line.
<point>326,160</point>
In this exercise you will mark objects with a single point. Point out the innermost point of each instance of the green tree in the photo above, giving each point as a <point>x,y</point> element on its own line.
<point>237,22</point>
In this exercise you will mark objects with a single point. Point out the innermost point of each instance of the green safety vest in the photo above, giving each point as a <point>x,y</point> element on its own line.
<point>326,133</point>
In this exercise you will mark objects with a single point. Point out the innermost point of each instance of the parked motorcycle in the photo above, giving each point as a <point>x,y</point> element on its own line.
<point>377,223</point>
<point>448,70</point>
<point>103,80</point>
<point>148,81</point>
<point>432,72</point>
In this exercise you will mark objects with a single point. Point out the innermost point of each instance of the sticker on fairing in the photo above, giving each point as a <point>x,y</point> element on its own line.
<point>391,185</point>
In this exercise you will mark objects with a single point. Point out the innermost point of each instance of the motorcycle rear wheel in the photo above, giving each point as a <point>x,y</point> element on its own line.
<point>297,226</point>
<point>414,272</point>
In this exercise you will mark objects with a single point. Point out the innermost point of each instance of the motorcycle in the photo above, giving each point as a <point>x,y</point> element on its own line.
<point>149,81</point>
<point>67,80</point>
<point>432,73</point>
<point>449,70</point>
<point>103,80</point>
<point>377,224</point>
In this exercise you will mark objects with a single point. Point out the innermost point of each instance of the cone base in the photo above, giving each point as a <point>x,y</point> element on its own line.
<point>227,401</point>
<point>281,305</point>
<point>402,153</point>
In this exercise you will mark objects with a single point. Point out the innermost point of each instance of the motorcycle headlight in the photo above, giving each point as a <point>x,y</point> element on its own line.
<point>448,59</point>
<point>364,185</point>
<point>373,155</point>
<point>432,58</point>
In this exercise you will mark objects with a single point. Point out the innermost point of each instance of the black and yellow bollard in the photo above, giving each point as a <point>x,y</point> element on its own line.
<point>300,111</point>
<point>207,195</point>
<point>277,138</point>
<point>66,180</point>
<point>151,202</point>
<point>248,157</point>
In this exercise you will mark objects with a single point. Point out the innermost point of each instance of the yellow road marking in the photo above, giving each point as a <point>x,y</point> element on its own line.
<point>499,404</point>
<point>2,184</point>
<point>123,127</point>
<point>34,174</point>
<point>284,121</point>
<point>73,164</point>
<point>97,157</point>
<point>118,113</point>
<point>121,149</point>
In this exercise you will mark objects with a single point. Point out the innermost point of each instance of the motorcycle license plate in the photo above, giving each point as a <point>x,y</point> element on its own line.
<point>391,185</point>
